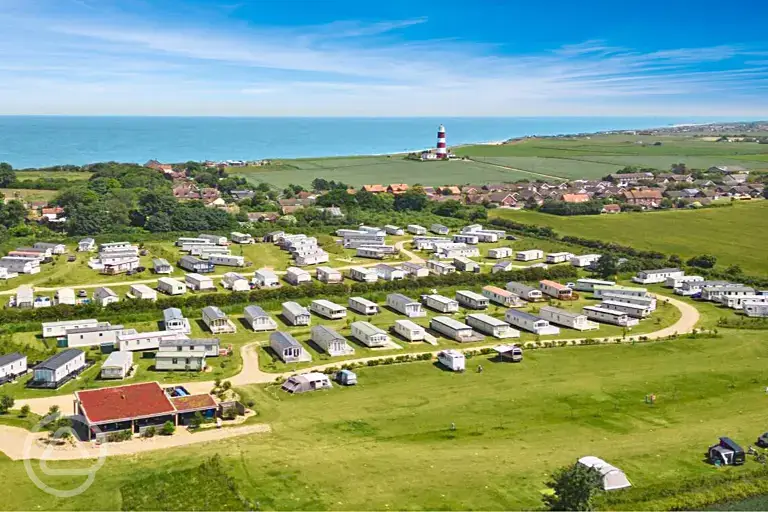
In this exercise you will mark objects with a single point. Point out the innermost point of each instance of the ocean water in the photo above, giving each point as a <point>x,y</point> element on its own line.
<point>38,141</point>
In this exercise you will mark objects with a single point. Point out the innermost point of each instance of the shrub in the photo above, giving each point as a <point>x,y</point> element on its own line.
<point>150,432</point>
<point>24,411</point>
<point>6,402</point>
<point>168,428</point>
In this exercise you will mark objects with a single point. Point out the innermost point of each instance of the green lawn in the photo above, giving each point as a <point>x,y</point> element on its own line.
<point>736,235</point>
<point>65,175</point>
<point>28,194</point>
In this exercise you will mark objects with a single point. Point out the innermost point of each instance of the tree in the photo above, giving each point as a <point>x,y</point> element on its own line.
<point>6,403</point>
<point>54,411</point>
<point>413,199</point>
<point>7,175</point>
<point>196,420</point>
<point>168,428</point>
<point>573,488</point>
<point>12,214</point>
<point>24,411</point>
<point>702,261</point>
<point>607,266</point>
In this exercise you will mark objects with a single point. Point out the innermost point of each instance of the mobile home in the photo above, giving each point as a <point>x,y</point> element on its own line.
<point>500,253</point>
<point>439,268</point>
<point>214,239</point>
<point>491,326</point>
<point>227,260</point>
<point>555,289</point>
<point>11,366</point>
<point>648,302</point>
<point>58,329</point>
<point>101,334</point>
<point>394,230</point>
<point>330,341</point>
<point>619,290</point>
<point>502,297</point>
<point>578,321</point>
<point>415,269</point>
<point>633,310</point>
<point>609,316</point>
<point>405,305</point>
<point>161,266</point>
<point>287,348</point>
<point>472,300</point>
<point>138,341</point>
<point>389,273</point>
<point>171,286</point>
<point>297,276</point>
<point>439,229</point>
<point>502,266</point>
<point>369,335</point>
<point>363,306</point>
<point>296,314</point>
<point>328,309</point>
<point>174,320</point>
<point>409,330</point>
<point>584,260</point>
<point>588,285</point>
<point>216,321</point>
<point>465,264</point>
<point>376,253</point>
<point>530,322</point>
<point>199,282</point>
<point>141,292</point>
<point>264,278</point>
<point>755,309</point>
<point>529,255</point>
<point>241,238</point>
<point>466,239</point>
<point>258,319</point>
<point>657,276</point>
<point>58,369</point>
<point>235,282</point>
<point>196,265</point>
<point>524,291</point>
<point>452,359</point>
<point>117,365</point>
<point>104,296</point>
<point>440,303</point>
<point>415,229</point>
<point>180,361</point>
<point>559,257</point>
<point>328,275</point>
<point>453,329</point>
<point>363,274</point>
<point>676,282</point>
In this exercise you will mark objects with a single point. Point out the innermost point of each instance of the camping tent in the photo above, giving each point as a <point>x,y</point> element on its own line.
<point>613,477</point>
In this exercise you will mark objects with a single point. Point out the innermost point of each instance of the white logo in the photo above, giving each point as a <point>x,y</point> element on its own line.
<point>62,433</point>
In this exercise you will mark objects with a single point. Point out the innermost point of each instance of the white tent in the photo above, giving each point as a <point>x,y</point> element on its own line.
<point>613,477</point>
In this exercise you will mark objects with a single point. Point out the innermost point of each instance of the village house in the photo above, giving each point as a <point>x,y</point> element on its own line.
<point>647,198</point>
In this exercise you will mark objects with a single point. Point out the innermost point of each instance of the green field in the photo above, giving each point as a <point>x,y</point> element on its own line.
<point>63,175</point>
<point>737,235</point>
<point>28,194</point>
<point>387,444</point>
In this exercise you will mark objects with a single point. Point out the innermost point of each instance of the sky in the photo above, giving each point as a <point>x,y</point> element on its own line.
<point>384,58</point>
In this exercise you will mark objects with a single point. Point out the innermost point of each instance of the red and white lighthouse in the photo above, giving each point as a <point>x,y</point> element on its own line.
<point>442,152</point>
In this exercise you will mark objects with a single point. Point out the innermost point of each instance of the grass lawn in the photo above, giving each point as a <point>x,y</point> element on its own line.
<point>65,175</point>
<point>387,443</point>
<point>28,194</point>
<point>736,235</point>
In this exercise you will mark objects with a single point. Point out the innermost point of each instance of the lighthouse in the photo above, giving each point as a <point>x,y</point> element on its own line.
<point>442,152</point>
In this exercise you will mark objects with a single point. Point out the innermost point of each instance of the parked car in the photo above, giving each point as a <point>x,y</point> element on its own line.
<point>82,293</point>
<point>131,272</point>
<point>143,252</point>
<point>511,237</point>
<point>726,453</point>
<point>71,257</point>
<point>141,269</point>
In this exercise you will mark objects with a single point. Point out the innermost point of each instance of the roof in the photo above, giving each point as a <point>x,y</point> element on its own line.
<point>450,322</point>
<point>660,271</point>
<point>363,300</point>
<point>523,315</point>
<point>283,340</point>
<point>441,298</point>
<point>103,292</point>
<point>328,304</point>
<point>101,327</point>
<point>367,328</point>
<point>111,404</point>
<point>488,319</point>
<point>118,358</point>
<point>142,288</point>
<point>188,342</point>
<point>193,402</point>
<point>553,284</point>
<point>213,312</point>
<point>11,358</point>
<point>327,330</point>
<point>498,291</point>
<point>606,311</point>
<point>470,294</point>
<point>575,198</point>
<point>58,360</point>
<point>170,314</point>
<point>561,312</point>
<point>160,262</point>
<point>409,324</point>
<point>255,311</point>
<point>295,308</point>
<point>400,297</point>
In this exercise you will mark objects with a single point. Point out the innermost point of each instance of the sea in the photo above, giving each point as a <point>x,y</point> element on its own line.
<point>40,141</point>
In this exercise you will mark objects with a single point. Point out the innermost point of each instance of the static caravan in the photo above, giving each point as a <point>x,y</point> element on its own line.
<point>389,273</point>
<point>465,264</point>
<point>214,239</point>
<point>440,303</point>
<point>689,288</point>
<point>58,369</point>
<point>453,329</point>
<point>529,255</point>
<point>620,290</point>
<point>258,319</point>
<point>216,321</point>
<point>415,269</point>
<point>502,297</point>
<point>472,300</point>
<point>227,260</point>
<point>137,341</point>
<point>489,236</point>
<point>141,292</point>
<point>235,282</point>
<point>415,229</point>
<point>363,274</point>
<point>186,241</point>
<point>466,239</point>
<point>578,321</point>
<point>530,322</point>
<point>376,253</point>
<point>657,276</point>
<point>266,279</point>
<point>208,346</point>
<point>330,341</point>
<point>241,238</point>
<point>394,230</point>
<point>609,316</point>
<point>429,243</point>
<point>633,310</point>
<point>502,266</point>
<point>196,265</point>
<point>53,247</point>
<point>64,296</point>
<point>328,309</point>
<point>161,266</point>
<point>11,366</point>
<point>205,251</point>
<point>451,251</point>
<point>369,335</point>
<point>6,274</point>
<point>117,365</point>
<point>588,285</point>
<point>171,286</point>
<point>297,276</point>
<point>676,282</point>
<point>585,260</point>
<point>737,302</point>
<point>648,302</point>
<point>756,309</point>
<point>718,292</point>
<point>25,296</point>
<point>296,314</point>
<point>500,253</point>
<point>362,239</point>
<point>439,268</point>
<point>555,289</point>
<point>18,265</point>
<point>311,258</point>
<point>86,245</point>
<point>58,329</point>
<point>453,360</point>
<point>104,296</point>
<point>559,257</point>
<point>405,305</point>
<point>328,275</point>
<point>409,330</point>
<point>439,229</point>
<point>180,361</point>
<point>199,282</point>
<point>524,291</point>
<point>174,320</point>
<point>363,306</point>
<point>491,326</point>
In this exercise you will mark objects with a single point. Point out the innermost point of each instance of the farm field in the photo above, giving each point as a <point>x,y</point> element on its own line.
<point>28,194</point>
<point>22,175</point>
<point>737,235</point>
<point>514,423</point>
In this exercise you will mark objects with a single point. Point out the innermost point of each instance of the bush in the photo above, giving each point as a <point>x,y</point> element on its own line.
<point>24,411</point>
<point>6,403</point>
<point>168,428</point>
<point>150,432</point>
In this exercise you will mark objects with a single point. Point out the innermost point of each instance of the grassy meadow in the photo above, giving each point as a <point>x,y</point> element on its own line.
<point>28,194</point>
<point>737,235</point>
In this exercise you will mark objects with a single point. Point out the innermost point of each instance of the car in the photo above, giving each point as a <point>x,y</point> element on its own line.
<point>762,441</point>
<point>131,272</point>
<point>82,293</point>
<point>570,285</point>
<point>71,257</point>
<point>511,237</point>
<point>141,269</point>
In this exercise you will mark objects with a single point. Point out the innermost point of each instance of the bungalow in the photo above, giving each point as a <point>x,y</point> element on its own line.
<point>502,297</point>
<point>199,282</point>
<point>104,296</point>
<point>258,319</point>
<point>555,289</point>
<point>415,269</point>
<point>503,199</point>
<point>297,276</point>
<point>362,305</point>
<point>161,266</point>
<point>524,291</point>
<point>117,365</point>
<point>369,335</point>
<point>11,366</point>
<point>439,268</point>
<point>328,275</point>
<point>440,303</point>
<point>409,330</point>
<point>235,282</point>
<point>58,369</point>
<point>453,329</point>
<point>491,326</point>
<point>609,316</point>
<point>530,322</point>
<point>500,252</point>
<point>530,255</point>
<point>296,314</point>
<point>465,264</point>
<point>333,343</point>
<point>227,260</point>
<point>86,245</point>
<point>559,257</point>
<point>471,300</point>
<point>363,274</point>
<point>415,229</point>
<point>174,320</point>
<point>389,273</point>
<point>196,265</point>
<point>307,382</point>
<point>585,260</point>
<point>216,321</point>
<point>397,188</point>
<point>375,189</point>
<point>405,305</point>
<point>586,284</point>
<point>141,292</point>
<point>578,321</point>
<point>502,266</point>
<point>657,276</point>
<point>328,309</point>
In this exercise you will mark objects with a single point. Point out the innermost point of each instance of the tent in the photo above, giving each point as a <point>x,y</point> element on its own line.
<point>613,477</point>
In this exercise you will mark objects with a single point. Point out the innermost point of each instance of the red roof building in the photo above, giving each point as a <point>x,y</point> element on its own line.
<point>575,198</point>
<point>375,189</point>
<point>192,403</point>
<point>397,188</point>
<point>124,403</point>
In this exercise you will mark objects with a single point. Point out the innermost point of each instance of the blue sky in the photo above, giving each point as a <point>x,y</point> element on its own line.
<point>385,58</point>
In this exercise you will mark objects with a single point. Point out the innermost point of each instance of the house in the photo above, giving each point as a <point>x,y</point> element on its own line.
<point>297,276</point>
<point>575,198</point>
<point>440,303</point>
<point>296,314</point>
<point>171,286</point>
<point>394,230</point>
<point>362,305</point>
<point>141,292</point>
<point>86,245</point>
<point>586,284</point>
<point>328,309</point>
<point>409,330</point>
<point>397,188</point>
<point>227,260</point>
<point>264,278</point>
<point>103,334</point>
<point>209,347</point>
<point>389,273</point>
<point>648,198</point>
<point>216,321</point>
<point>491,326</point>
<point>174,320</point>
<point>466,265</point>
<point>502,266</point>
<point>11,366</point>
<point>530,322</point>
<point>333,343</point>
<point>405,305</point>
<point>502,297</point>
<point>415,269</point>
<point>555,289</point>
<point>328,275</point>
<point>307,382</point>
<point>612,477</point>
<point>52,247</point>
<point>104,296</point>
<point>363,274</point>
<point>258,319</point>
<point>727,169</point>
<point>453,329</point>
<point>657,276</point>
<point>471,300</point>
<point>189,360</point>
<point>58,369</point>
<point>503,199</point>
<point>524,291</point>
<point>578,321</point>
<point>585,260</point>
<point>117,365</point>
<point>64,296</point>
<point>500,252</point>
<point>20,265</point>
<point>161,266</point>
<point>632,310</point>
<point>235,282</point>
<point>530,255</point>
<point>417,230</point>
<point>439,268</point>
<point>452,359</point>
<point>199,282</point>
<point>25,296</point>
<point>611,209</point>
<point>559,257</point>
<point>369,335</point>
<point>609,316</point>
<point>196,265</point>
<point>375,189</point>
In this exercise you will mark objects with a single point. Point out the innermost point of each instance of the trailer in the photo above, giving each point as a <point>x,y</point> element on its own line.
<point>471,300</point>
<point>363,306</point>
<point>440,303</point>
<point>453,329</point>
<point>409,330</point>
<point>491,326</point>
<point>453,360</point>
<point>328,309</point>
